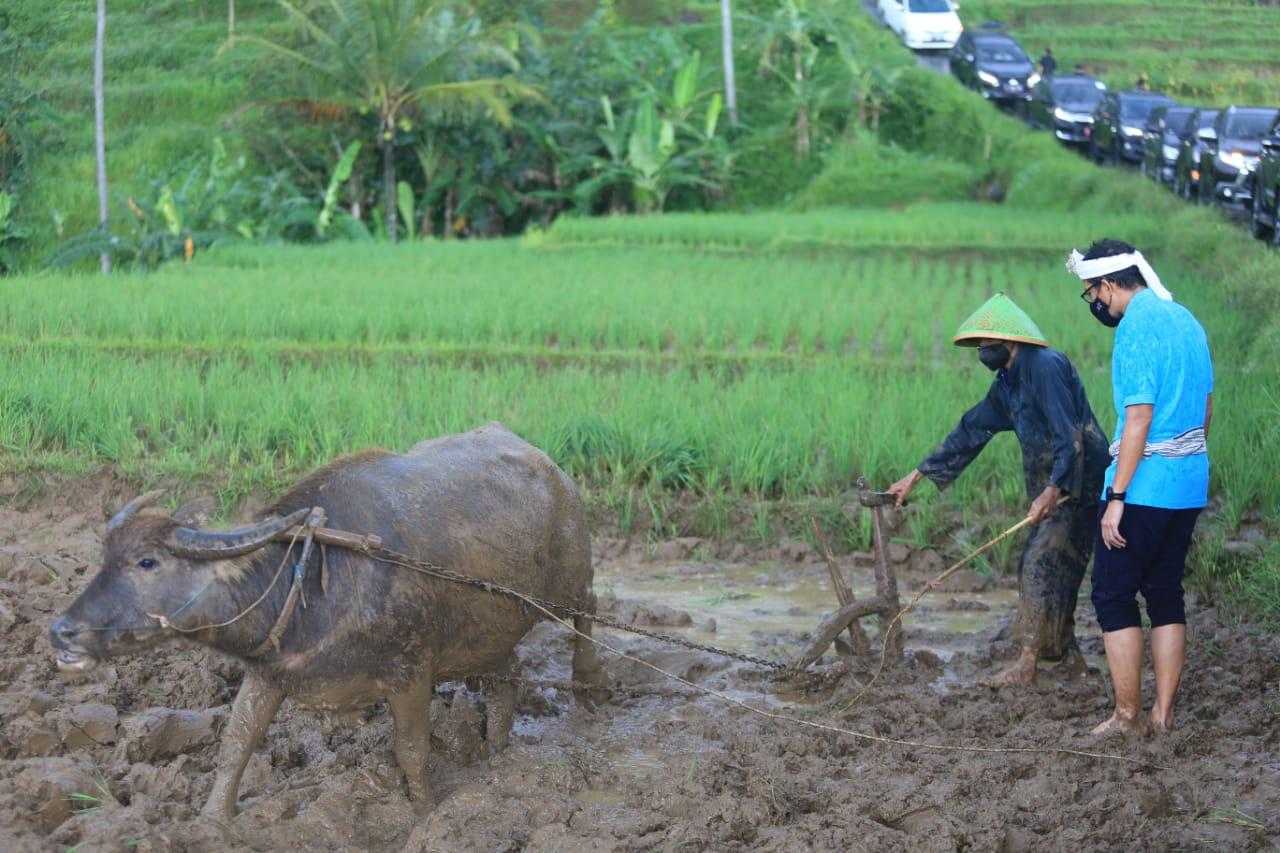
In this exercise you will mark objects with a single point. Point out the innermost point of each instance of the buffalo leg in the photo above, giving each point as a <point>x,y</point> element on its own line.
<point>500,709</point>
<point>411,710</point>
<point>586,665</point>
<point>254,709</point>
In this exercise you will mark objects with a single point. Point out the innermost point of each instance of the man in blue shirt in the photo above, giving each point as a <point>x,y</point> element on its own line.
<point>1158,480</point>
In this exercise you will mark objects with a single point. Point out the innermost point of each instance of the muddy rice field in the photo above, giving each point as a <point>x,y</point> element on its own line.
<point>122,758</point>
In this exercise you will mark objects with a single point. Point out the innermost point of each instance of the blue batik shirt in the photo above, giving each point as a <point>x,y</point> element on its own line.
<point>1161,358</point>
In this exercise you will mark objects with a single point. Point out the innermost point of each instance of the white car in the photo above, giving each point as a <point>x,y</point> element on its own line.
<point>923,24</point>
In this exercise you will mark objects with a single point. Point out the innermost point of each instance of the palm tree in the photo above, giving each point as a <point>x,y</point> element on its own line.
<point>396,57</point>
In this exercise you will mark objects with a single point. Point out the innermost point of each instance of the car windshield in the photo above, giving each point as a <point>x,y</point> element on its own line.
<point>1137,109</point>
<point>1249,125</point>
<point>1206,119</point>
<point>929,6</point>
<point>1177,119</point>
<point>999,52</point>
<point>1076,92</point>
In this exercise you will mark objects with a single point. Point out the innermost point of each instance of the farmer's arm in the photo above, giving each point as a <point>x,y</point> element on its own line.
<point>1055,394</point>
<point>977,427</point>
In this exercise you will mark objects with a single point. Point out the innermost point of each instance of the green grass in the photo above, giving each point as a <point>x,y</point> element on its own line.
<point>1221,52</point>
<point>708,356</point>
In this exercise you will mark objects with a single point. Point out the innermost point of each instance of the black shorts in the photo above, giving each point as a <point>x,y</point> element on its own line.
<point>1151,563</point>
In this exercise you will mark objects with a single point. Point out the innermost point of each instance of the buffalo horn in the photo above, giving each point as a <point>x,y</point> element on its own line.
<point>225,544</point>
<point>130,509</point>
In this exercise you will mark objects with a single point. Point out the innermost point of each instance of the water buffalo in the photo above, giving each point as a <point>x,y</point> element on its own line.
<point>484,503</point>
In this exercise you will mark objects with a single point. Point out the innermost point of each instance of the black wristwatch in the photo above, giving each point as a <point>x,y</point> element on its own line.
<point>1114,495</point>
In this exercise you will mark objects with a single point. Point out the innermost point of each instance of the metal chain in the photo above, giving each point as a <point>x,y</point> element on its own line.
<point>580,686</point>
<point>386,555</point>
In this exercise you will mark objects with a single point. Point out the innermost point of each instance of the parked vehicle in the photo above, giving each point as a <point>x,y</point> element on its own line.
<point>990,61</point>
<point>1117,133</point>
<point>923,24</point>
<point>1264,220</point>
<point>1186,171</point>
<point>1231,150</point>
<point>1065,104</point>
<point>1165,129</point>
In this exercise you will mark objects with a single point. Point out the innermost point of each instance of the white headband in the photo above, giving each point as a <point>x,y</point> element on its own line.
<point>1098,267</point>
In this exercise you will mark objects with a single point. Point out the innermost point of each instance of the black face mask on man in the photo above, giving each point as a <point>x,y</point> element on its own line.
<point>994,356</point>
<point>1102,313</point>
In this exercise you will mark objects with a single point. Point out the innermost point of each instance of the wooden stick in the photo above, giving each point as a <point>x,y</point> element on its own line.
<point>857,636</point>
<point>833,625</point>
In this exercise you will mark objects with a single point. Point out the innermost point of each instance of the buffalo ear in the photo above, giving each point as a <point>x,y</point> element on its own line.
<point>196,513</point>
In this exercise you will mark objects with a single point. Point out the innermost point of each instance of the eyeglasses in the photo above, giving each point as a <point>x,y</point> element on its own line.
<point>1090,294</point>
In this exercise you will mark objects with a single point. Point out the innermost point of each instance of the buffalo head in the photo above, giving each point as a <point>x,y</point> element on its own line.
<point>153,564</point>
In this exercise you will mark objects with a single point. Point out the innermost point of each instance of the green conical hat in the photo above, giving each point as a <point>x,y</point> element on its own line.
<point>1000,319</point>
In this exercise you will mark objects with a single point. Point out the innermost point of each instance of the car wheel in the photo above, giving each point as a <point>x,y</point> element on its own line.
<point>1257,227</point>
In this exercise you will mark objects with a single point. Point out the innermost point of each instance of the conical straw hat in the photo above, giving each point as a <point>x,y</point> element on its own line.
<point>999,319</point>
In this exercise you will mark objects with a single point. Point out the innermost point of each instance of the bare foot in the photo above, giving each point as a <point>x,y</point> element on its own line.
<point>1021,673</point>
<point>1122,725</point>
<point>1161,725</point>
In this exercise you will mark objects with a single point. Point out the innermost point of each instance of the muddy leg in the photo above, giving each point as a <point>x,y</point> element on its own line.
<point>586,665</point>
<point>255,706</point>
<point>411,711</point>
<point>500,709</point>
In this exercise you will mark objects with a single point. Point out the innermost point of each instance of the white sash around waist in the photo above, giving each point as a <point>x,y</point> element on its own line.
<point>1188,443</point>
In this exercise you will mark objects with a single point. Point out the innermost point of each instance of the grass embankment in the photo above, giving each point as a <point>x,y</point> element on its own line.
<point>1219,52</point>
<point>695,373</point>
<point>168,92</point>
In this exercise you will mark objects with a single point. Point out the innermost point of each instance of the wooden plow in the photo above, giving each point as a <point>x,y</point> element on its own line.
<point>884,605</point>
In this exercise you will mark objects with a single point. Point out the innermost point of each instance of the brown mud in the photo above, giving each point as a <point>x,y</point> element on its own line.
<point>122,758</point>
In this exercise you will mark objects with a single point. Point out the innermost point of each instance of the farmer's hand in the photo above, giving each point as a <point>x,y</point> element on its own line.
<point>1043,506</point>
<point>1111,525</point>
<point>903,487</point>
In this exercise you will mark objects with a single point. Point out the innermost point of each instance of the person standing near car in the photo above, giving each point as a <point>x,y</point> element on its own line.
<point>1158,479</point>
<point>1048,64</point>
<point>1038,395</point>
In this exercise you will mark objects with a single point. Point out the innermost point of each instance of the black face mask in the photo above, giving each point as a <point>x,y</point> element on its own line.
<point>994,356</point>
<point>1102,314</point>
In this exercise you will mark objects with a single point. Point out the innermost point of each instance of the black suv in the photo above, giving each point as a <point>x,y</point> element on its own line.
<point>1117,125</point>
<point>1065,103</point>
<point>1266,188</point>
<point>1165,130</point>
<point>1186,171</point>
<point>990,61</point>
<point>1231,149</point>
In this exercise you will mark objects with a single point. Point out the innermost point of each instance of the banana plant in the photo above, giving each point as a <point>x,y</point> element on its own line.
<point>652,151</point>
<point>341,173</point>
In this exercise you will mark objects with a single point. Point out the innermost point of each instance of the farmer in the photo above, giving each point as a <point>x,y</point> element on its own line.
<point>1037,394</point>
<point>1158,480</point>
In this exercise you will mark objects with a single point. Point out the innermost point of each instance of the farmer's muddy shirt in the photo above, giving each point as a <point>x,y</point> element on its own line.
<point>1042,400</point>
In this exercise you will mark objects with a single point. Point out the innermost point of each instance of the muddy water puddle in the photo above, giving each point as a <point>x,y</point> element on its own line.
<point>754,608</point>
